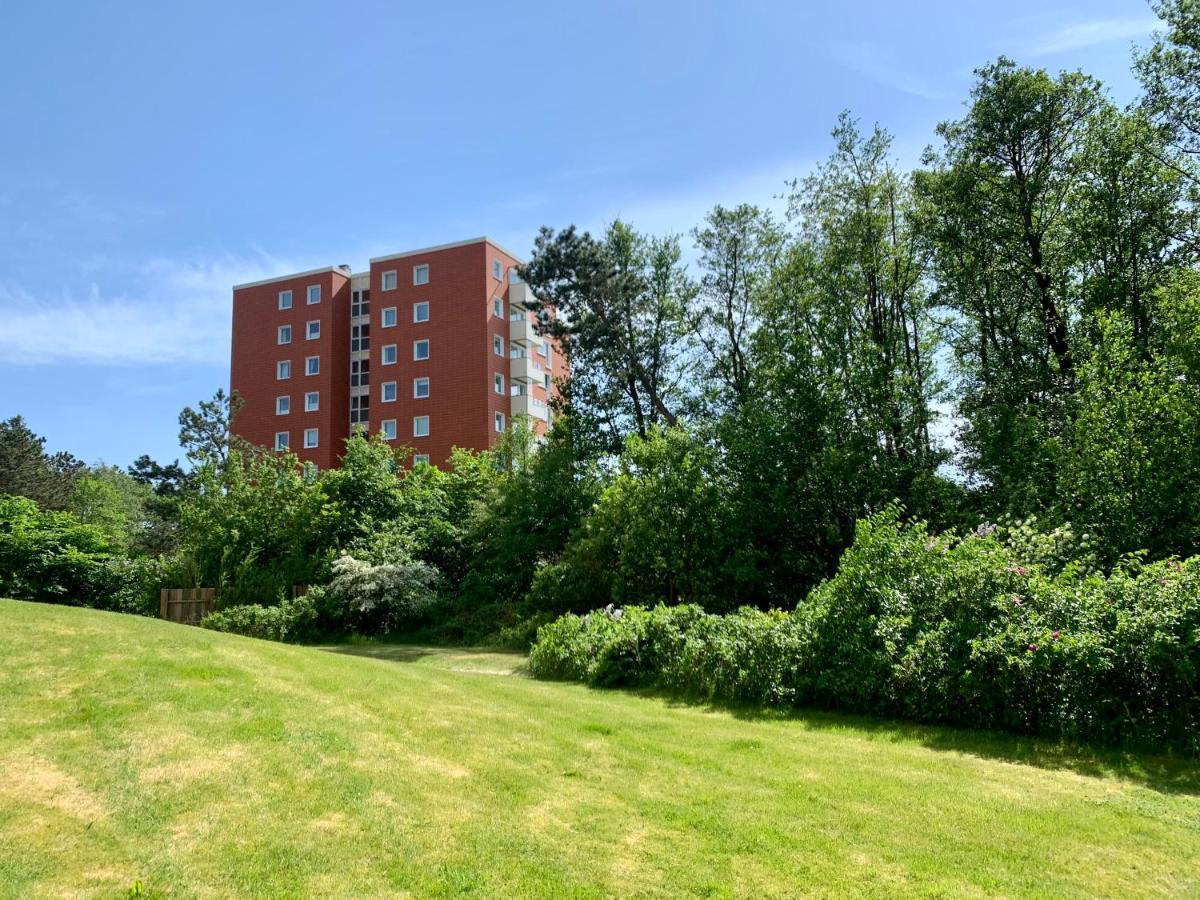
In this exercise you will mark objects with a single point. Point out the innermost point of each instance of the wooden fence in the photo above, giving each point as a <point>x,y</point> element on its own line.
<point>187,605</point>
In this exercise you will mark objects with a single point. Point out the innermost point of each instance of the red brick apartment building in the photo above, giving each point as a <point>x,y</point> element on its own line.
<point>435,348</point>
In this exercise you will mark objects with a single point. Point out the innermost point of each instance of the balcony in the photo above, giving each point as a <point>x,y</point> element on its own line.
<point>526,405</point>
<point>520,331</point>
<point>526,369</point>
<point>520,296</point>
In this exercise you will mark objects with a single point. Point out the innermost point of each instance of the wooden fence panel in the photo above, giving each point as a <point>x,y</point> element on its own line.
<point>186,605</point>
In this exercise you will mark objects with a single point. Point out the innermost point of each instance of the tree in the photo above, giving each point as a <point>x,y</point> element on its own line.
<point>620,309</point>
<point>739,249</point>
<point>996,216</point>
<point>206,433</point>
<point>27,470</point>
<point>1170,74</point>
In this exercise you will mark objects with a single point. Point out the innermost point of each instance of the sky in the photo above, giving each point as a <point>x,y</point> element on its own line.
<point>155,154</point>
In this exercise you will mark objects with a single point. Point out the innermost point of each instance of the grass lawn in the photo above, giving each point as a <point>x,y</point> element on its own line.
<point>210,765</point>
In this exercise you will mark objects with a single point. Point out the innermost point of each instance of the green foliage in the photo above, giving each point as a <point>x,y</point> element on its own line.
<point>27,470</point>
<point>294,620</point>
<point>53,557</point>
<point>934,628</point>
<point>384,598</point>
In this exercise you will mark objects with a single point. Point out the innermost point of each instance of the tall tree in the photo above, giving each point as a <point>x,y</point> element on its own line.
<point>1170,74</point>
<point>997,218</point>
<point>26,469</point>
<point>206,432</point>
<point>739,249</point>
<point>620,307</point>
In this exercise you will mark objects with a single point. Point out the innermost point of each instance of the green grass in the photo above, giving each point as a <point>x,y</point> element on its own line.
<point>210,765</point>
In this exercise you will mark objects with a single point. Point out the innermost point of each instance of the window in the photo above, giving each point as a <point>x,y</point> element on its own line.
<point>389,354</point>
<point>497,270</point>
<point>421,274</point>
<point>498,307</point>
<point>285,299</point>
<point>420,426</point>
<point>360,303</point>
<point>498,383</point>
<point>420,388</point>
<point>312,365</point>
<point>283,406</point>
<point>388,282</point>
<point>360,372</point>
<point>281,441</point>
<point>500,422</point>
<point>513,276</point>
<point>389,317</point>
<point>313,330</point>
<point>421,349</point>
<point>421,311</point>
<point>497,345</point>
<point>310,438</point>
<point>312,401</point>
<point>360,337</point>
<point>420,459</point>
<point>284,335</point>
<point>314,294</point>
<point>283,369</point>
<point>387,391</point>
<point>359,409</point>
<point>388,427</point>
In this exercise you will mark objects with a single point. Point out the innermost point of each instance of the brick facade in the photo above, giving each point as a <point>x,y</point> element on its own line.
<point>461,368</point>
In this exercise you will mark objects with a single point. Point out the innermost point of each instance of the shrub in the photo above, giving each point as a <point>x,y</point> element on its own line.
<point>939,629</point>
<point>378,599</point>
<point>293,620</point>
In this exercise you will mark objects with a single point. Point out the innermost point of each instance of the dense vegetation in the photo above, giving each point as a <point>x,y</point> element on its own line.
<point>1006,337</point>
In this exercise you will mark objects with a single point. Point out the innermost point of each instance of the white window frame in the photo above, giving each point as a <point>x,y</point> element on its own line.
<point>498,307</point>
<point>279,369</point>
<point>417,395</point>
<point>283,405</point>
<point>388,425</point>
<point>421,306</point>
<point>416,430</point>
<point>499,423</point>
<point>315,404</point>
<point>421,274</point>
<point>417,344</point>
<point>280,446</point>
<point>309,334</point>
<point>389,275</point>
<point>280,332</point>
<point>309,368</point>
<point>383,355</point>
<point>513,276</point>
<point>312,290</point>
<point>285,300</point>
<point>383,392</point>
<point>497,270</point>
<point>420,459</point>
<point>315,434</point>
<point>498,383</point>
<point>384,315</point>
<point>498,345</point>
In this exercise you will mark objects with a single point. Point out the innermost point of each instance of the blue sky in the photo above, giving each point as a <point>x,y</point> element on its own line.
<point>157,153</point>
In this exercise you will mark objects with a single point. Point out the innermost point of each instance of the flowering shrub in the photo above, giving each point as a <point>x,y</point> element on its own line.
<point>943,629</point>
<point>377,599</point>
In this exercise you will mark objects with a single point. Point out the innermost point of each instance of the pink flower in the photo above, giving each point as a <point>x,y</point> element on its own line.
<point>1056,635</point>
<point>1033,648</point>
<point>1016,599</point>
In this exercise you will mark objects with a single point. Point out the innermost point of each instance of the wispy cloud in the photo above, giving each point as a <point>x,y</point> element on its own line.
<point>174,312</point>
<point>877,63</point>
<point>1089,34</point>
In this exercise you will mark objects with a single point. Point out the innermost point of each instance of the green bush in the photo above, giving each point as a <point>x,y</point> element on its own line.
<point>942,629</point>
<point>292,620</point>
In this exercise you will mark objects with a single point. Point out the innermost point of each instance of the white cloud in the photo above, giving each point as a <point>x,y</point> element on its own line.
<point>1089,34</point>
<point>879,64</point>
<point>173,312</point>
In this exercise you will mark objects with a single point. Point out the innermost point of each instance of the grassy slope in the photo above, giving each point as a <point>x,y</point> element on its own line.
<point>210,765</point>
